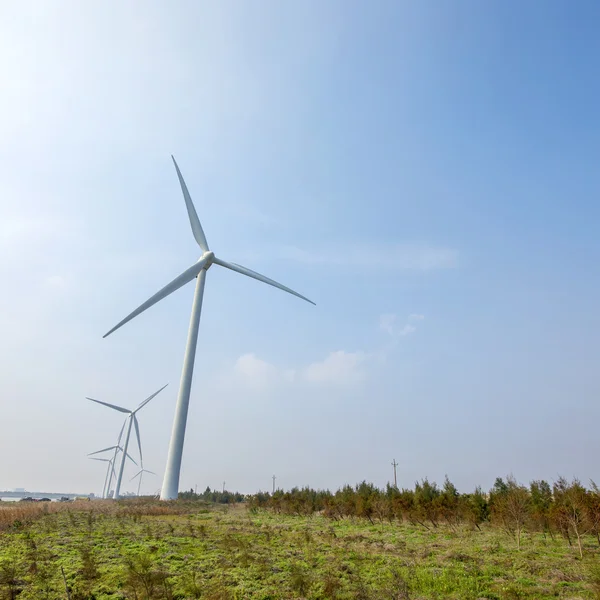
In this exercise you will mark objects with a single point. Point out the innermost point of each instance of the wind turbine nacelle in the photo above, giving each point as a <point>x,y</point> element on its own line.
<point>208,256</point>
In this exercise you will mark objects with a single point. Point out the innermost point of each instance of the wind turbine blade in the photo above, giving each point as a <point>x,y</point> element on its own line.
<point>250,273</point>
<point>178,282</point>
<point>103,450</point>
<point>131,459</point>
<point>192,214</point>
<point>137,435</point>
<point>119,408</point>
<point>136,475</point>
<point>120,435</point>
<point>102,459</point>
<point>142,404</point>
<point>151,472</point>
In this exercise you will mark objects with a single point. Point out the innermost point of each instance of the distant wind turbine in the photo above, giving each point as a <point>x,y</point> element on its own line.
<point>170,488</point>
<point>116,449</point>
<point>129,421</point>
<point>139,474</point>
<point>110,469</point>
<point>114,458</point>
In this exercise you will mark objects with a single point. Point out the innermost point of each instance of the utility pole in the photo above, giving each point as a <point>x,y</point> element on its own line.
<point>274,483</point>
<point>395,464</point>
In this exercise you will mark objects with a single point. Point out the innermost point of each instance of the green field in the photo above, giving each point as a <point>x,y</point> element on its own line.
<point>143,550</point>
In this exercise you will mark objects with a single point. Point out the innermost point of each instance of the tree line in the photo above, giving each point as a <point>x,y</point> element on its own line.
<point>215,496</point>
<point>565,509</point>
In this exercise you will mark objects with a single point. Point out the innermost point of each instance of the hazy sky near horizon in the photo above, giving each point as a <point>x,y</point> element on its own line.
<point>426,172</point>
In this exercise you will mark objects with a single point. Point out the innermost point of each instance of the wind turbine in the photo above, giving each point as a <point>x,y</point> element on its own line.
<point>116,449</point>
<point>110,469</point>
<point>130,420</point>
<point>198,270</point>
<point>139,474</point>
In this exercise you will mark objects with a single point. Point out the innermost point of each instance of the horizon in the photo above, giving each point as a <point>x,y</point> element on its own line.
<point>590,485</point>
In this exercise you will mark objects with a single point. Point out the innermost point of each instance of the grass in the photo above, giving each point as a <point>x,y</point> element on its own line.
<point>147,550</point>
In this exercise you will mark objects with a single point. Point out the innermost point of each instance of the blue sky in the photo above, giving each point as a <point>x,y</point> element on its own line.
<point>426,172</point>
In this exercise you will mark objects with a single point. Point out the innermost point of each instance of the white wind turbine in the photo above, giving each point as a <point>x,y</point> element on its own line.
<point>198,270</point>
<point>139,474</point>
<point>116,449</point>
<point>110,469</point>
<point>129,421</point>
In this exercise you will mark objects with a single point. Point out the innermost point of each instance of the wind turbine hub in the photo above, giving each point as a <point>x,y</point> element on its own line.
<point>209,256</point>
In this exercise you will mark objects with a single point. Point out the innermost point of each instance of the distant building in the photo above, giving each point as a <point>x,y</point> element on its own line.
<point>18,490</point>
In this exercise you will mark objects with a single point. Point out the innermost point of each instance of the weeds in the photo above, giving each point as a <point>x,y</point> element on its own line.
<point>300,579</point>
<point>331,585</point>
<point>10,582</point>
<point>145,580</point>
<point>89,568</point>
<point>117,551</point>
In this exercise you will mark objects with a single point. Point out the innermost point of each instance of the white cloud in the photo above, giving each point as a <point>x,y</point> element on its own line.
<point>388,322</point>
<point>415,257</point>
<point>339,368</point>
<point>255,371</point>
<point>259,374</point>
<point>407,329</point>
